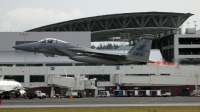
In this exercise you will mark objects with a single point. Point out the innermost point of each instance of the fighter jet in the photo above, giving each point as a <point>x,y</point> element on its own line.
<point>9,86</point>
<point>51,47</point>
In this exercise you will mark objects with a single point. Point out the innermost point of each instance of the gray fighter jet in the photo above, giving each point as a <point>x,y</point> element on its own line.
<point>51,47</point>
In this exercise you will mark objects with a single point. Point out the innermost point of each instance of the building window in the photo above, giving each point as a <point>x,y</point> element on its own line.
<point>163,91</point>
<point>164,74</point>
<point>63,75</point>
<point>7,65</point>
<point>70,75</point>
<point>36,78</point>
<point>18,78</point>
<point>117,67</point>
<point>190,61</point>
<point>52,68</point>
<point>100,78</point>
<point>139,74</point>
<point>189,51</point>
<point>189,41</point>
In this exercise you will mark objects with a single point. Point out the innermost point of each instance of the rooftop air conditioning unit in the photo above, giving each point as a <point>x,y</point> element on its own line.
<point>190,31</point>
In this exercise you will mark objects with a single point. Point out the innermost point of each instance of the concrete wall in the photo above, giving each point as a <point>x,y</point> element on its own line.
<point>183,75</point>
<point>177,46</point>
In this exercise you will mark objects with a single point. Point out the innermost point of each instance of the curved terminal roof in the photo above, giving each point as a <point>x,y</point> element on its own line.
<point>113,24</point>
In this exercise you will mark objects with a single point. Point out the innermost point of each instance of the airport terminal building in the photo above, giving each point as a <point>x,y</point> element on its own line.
<point>32,70</point>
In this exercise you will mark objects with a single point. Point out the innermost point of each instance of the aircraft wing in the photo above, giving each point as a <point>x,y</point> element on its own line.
<point>96,53</point>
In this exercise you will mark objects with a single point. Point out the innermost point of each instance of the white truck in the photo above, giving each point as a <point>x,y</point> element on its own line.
<point>158,93</point>
<point>136,93</point>
<point>36,94</point>
<point>166,94</point>
<point>39,94</point>
<point>148,93</point>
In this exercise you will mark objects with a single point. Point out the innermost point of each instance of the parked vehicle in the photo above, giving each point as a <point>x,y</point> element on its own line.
<point>75,94</point>
<point>31,95</point>
<point>166,94</point>
<point>130,93</point>
<point>119,93</point>
<point>136,93</point>
<point>158,93</point>
<point>148,93</point>
<point>36,94</point>
<point>104,94</point>
<point>56,96</point>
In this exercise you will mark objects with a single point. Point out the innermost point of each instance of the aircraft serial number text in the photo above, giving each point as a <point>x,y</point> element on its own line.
<point>138,54</point>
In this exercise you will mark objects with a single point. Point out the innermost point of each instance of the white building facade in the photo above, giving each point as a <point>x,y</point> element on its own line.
<point>187,47</point>
<point>174,78</point>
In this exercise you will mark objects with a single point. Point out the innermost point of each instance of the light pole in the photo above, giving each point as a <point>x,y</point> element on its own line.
<point>113,38</point>
<point>188,24</point>
<point>124,35</point>
<point>113,43</point>
<point>196,86</point>
<point>195,24</point>
<point>24,34</point>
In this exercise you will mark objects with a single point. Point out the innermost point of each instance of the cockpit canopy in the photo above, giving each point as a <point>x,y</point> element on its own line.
<point>51,40</point>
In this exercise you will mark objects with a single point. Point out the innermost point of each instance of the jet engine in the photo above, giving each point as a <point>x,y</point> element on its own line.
<point>20,93</point>
<point>49,55</point>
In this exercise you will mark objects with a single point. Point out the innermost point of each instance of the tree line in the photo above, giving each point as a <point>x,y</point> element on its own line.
<point>108,46</point>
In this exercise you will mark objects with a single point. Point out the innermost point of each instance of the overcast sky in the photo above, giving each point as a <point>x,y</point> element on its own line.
<point>22,15</point>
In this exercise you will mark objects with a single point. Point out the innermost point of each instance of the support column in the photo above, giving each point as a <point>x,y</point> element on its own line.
<point>196,86</point>
<point>118,87</point>
<point>176,49</point>
<point>52,92</point>
<point>177,31</point>
<point>162,48</point>
<point>95,93</point>
<point>168,52</point>
<point>73,64</point>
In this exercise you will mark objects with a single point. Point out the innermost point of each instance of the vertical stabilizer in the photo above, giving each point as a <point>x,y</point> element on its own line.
<point>141,50</point>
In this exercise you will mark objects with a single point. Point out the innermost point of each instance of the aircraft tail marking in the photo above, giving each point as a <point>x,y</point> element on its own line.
<point>141,50</point>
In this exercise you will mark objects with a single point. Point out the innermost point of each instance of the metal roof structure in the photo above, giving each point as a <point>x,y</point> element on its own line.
<point>112,25</point>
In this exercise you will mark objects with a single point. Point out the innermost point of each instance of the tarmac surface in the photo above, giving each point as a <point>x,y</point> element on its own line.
<point>101,102</point>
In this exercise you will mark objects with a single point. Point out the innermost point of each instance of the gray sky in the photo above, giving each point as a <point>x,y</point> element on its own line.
<point>22,15</point>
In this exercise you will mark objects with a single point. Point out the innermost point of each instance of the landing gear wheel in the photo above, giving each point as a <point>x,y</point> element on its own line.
<point>43,97</point>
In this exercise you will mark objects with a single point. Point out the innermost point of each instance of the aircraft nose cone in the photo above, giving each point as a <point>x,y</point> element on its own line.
<point>16,47</point>
<point>24,47</point>
<point>19,47</point>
